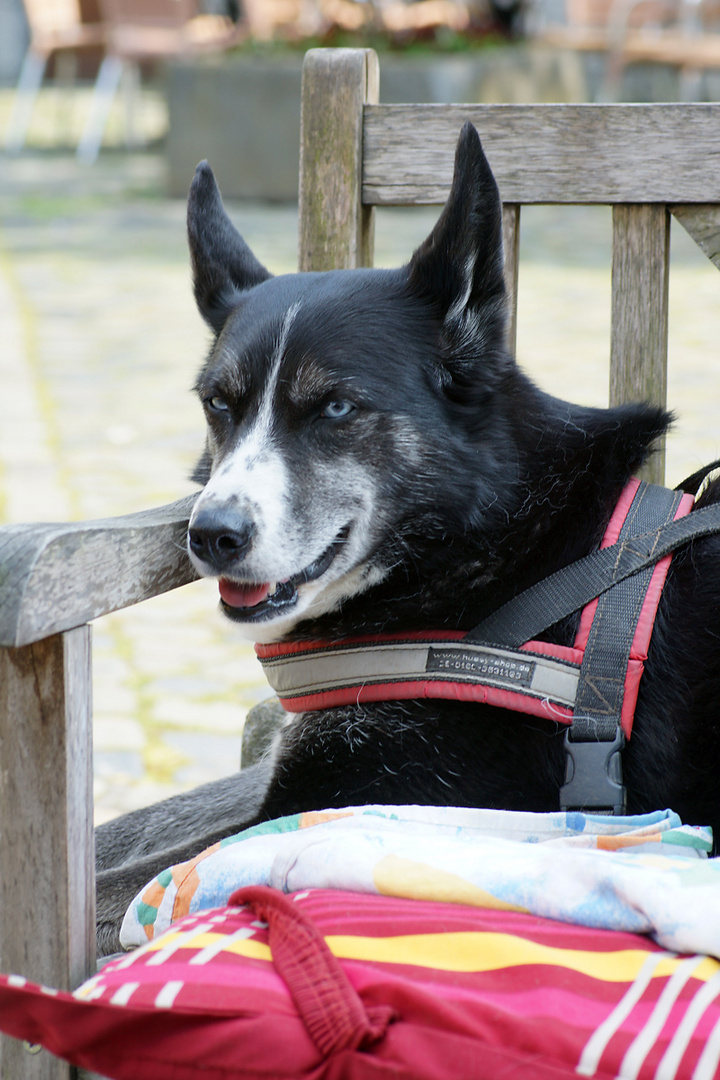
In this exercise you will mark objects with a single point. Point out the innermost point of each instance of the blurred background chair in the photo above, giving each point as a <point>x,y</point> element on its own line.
<point>600,25</point>
<point>136,31</point>
<point>681,34</point>
<point>59,29</point>
<point>690,43</point>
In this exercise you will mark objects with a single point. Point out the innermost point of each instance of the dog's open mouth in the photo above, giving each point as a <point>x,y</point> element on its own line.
<point>250,600</point>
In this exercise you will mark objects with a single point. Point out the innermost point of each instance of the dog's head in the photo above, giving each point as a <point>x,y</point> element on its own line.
<point>343,405</point>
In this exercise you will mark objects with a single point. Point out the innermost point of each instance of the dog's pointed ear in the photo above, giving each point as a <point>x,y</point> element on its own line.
<point>459,268</point>
<point>223,265</point>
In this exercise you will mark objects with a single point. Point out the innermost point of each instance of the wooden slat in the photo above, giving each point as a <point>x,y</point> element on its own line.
<point>47,864</point>
<point>511,244</point>
<point>336,230</point>
<point>703,224</point>
<point>55,577</point>
<point>639,320</point>
<point>548,153</point>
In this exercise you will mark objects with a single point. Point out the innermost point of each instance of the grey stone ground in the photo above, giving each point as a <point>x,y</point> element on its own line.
<point>99,342</point>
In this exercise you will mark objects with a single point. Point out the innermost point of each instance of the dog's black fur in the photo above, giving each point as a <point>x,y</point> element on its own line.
<point>504,485</point>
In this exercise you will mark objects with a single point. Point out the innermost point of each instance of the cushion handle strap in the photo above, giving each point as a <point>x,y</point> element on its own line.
<point>329,1006</point>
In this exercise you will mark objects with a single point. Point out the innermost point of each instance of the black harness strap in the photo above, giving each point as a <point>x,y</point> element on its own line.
<point>619,576</point>
<point>569,589</point>
<point>602,675</point>
<point>595,740</point>
<point>691,484</point>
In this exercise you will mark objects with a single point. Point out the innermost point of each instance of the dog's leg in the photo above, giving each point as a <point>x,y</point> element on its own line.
<point>131,849</point>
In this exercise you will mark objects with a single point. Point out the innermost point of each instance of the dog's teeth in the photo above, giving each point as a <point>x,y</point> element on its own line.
<point>272,587</point>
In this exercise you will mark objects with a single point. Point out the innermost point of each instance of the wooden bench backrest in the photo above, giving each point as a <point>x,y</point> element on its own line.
<point>646,161</point>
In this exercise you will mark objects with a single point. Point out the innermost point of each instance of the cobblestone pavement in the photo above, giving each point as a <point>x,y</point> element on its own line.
<point>99,342</point>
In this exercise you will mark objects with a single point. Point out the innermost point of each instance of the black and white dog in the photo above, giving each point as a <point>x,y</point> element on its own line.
<point>376,462</point>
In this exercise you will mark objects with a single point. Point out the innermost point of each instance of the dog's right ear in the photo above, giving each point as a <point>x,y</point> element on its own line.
<point>223,265</point>
<point>459,268</point>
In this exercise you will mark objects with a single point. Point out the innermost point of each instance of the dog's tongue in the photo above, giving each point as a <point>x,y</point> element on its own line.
<point>240,596</point>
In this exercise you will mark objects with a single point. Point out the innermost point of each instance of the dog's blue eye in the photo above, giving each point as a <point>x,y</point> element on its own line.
<point>216,404</point>
<point>335,410</point>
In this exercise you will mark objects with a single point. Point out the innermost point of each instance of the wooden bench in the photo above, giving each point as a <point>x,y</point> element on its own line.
<point>647,162</point>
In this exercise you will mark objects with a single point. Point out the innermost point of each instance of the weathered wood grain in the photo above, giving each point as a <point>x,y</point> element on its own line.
<point>335,229</point>
<point>548,153</point>
<point>54,577</point>
<point>639,314</point>
<point>47,864</point>
<point>511,244</point>
<point>703,224</point>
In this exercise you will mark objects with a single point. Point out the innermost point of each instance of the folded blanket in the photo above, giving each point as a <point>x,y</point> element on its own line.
<point>645,874</point>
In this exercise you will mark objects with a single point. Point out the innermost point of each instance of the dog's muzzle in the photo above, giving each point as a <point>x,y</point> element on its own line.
<point>220,543</point>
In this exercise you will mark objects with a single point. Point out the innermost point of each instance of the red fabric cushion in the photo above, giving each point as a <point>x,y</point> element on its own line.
<point>332,984</point>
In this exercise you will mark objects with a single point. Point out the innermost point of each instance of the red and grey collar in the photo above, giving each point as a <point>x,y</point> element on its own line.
<point>536,678</point>
<point>595,698</point>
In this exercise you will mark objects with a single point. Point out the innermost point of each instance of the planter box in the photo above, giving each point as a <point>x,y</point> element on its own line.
<point>243,114</point>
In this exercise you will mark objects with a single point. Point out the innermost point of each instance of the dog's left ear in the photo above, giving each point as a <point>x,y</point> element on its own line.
<point>459,268</point>
<point>223,265</point>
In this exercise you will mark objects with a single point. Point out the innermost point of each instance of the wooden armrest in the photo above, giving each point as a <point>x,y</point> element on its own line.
<point>57,576</point>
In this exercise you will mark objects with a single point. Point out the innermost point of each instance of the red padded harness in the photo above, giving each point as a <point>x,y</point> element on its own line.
<point>538,678</point>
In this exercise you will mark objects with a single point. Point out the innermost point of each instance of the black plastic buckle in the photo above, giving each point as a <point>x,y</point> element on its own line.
<point>593,776</point>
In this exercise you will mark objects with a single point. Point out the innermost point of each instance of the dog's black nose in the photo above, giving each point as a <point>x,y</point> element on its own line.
<point>218,541</point>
